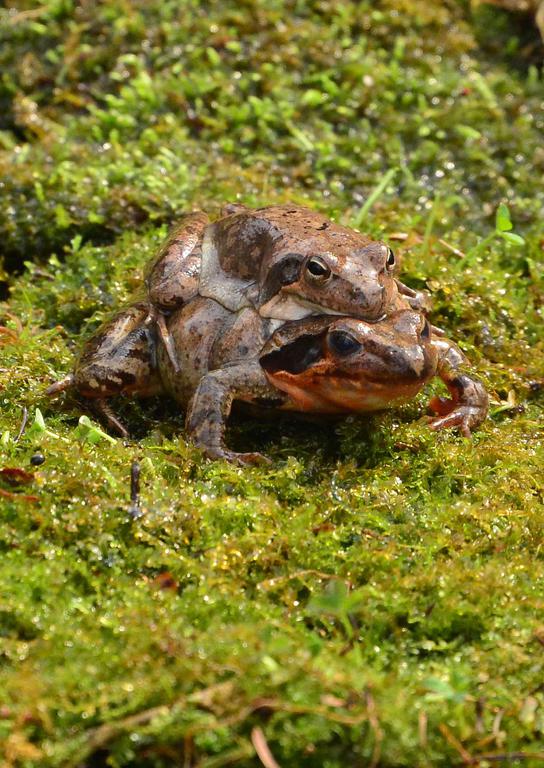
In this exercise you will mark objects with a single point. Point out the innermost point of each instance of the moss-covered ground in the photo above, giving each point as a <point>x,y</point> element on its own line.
<point>375,596</point>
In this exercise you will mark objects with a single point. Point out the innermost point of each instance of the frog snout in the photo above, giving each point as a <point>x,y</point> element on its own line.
<point>379,358</point>
<point>366,301</point>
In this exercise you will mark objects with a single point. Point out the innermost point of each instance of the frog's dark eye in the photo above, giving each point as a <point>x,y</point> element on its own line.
<point>318,270</point>
<point>390,261</point>
<point>426,331</point>
<point>343,343</point>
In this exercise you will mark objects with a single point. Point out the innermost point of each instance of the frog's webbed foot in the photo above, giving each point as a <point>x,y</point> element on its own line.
<point>117,360</point>
<point>101,406</point>
<point>242,459</point>
<point>469,403</point>
<point>421,301</point>
<point>211,404</point>
<point>454,415</point>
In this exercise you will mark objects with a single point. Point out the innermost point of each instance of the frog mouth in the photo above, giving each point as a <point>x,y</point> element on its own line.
<point>292,307</point>
<point>340,394</point>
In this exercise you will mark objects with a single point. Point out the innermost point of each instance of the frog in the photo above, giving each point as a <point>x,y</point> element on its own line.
<point>327,364</point>
<point>286,262</point>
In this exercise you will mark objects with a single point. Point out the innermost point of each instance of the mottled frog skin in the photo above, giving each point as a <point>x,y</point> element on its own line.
<point>278,307</point>
<point>326,364</point>
<point>285,261</point>
<point>315,365</point>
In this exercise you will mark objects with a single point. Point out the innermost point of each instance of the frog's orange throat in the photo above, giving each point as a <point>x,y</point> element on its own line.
<point>322,390</point>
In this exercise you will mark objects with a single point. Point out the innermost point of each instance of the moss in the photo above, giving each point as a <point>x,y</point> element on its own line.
<point>374,600</point>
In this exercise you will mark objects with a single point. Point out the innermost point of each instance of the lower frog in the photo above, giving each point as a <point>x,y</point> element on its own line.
<point>324,364</point>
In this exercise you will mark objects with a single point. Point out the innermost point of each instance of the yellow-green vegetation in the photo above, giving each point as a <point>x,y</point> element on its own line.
<point>375,597</point>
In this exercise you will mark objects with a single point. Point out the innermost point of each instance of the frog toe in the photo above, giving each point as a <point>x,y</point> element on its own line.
<point>106,412</point>
<point>242,459</point>
<point>465,418</point>
<point>60,386</point>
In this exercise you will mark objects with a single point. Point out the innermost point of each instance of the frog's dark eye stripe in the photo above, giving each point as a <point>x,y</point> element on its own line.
<point>282,273</point>
<point>295,357</point>
<point>343,343</point>
<point>390,258</point>
<point>426,331</point>
<point>318,269</point>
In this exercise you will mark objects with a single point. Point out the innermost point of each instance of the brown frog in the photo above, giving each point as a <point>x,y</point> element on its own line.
<point>286,262</point>
<point>319,364</point>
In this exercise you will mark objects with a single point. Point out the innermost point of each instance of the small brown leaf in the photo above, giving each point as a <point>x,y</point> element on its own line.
<point>165,580</point>
<point>16,476</point>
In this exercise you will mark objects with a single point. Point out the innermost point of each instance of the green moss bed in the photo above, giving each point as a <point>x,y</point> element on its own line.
<point>374,597</point>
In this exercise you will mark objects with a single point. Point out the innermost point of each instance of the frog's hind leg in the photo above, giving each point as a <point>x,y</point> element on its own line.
<point>173,276</point>
<point>120,359</point>
<point>60,386</point>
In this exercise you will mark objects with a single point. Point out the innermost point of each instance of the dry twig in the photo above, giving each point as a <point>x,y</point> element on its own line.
<point>456,744</point>
<point>258,739</point>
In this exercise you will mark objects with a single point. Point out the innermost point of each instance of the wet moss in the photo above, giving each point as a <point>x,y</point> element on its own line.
<point>373,597</point>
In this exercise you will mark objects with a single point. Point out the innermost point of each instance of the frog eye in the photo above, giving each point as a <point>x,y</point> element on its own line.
<point>343,343</point>
<point>318,270</point>
<point>425,333</point>
<point>390,261</point>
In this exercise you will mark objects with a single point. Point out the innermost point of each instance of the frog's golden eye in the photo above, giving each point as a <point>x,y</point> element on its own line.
<point>318,270</point>
<point>390,261</point>
<point>343,343</point>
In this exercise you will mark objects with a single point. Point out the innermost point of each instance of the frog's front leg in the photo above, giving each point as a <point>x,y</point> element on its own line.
<point>419,300</point>
<point>211,404</point>
<point>469,401</point>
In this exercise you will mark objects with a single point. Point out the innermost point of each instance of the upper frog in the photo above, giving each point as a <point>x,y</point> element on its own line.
<point>289,262</point>
<point>285,261</point>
